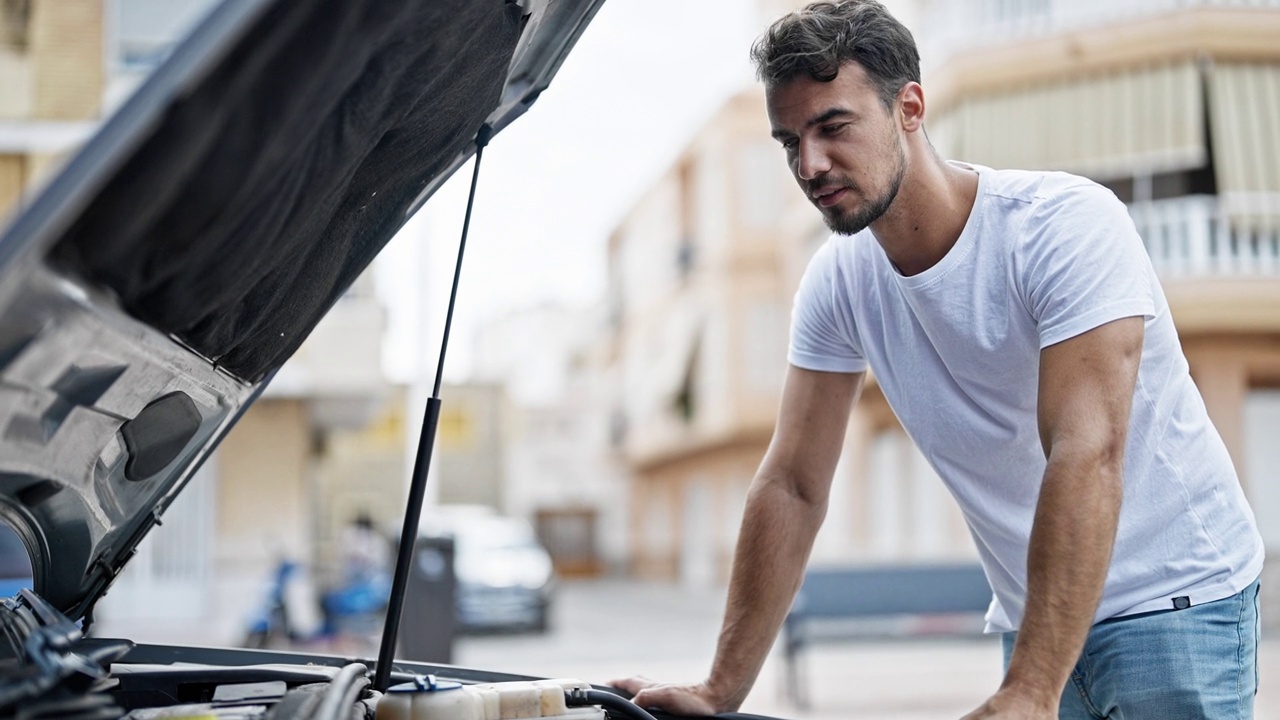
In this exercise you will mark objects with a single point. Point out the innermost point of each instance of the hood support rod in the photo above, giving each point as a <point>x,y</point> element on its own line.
<point>422,462</point>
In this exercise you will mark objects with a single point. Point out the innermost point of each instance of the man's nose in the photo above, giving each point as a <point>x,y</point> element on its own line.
<point>811,160</point>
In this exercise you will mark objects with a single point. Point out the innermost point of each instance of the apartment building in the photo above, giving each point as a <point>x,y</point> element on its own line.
<point>1173,105</point>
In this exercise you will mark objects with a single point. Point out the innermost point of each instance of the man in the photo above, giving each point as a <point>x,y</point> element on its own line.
<point>1018,331</point>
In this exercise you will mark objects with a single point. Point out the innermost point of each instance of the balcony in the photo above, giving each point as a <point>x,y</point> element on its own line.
<point>1220,277</point>
<point>958,25</point>
<point>1189,237</point>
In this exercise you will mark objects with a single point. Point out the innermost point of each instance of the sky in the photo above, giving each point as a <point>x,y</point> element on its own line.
<point>643,79</point>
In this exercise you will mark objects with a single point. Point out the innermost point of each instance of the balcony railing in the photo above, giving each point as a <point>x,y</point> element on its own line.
<point>1190,237</point>
<point>952,26</point>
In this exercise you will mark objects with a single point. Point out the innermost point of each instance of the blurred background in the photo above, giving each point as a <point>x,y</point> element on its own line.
<point>621,335</point>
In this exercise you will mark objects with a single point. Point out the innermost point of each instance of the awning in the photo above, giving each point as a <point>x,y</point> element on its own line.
<point>673,355</point>
<point>1245,127</point>
<point>1148,120</point>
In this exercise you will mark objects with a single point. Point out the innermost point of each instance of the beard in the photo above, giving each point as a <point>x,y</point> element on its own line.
<point>855,221</point>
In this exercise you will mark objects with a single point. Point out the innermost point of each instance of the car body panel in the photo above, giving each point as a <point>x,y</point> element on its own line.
<point>149,292</point>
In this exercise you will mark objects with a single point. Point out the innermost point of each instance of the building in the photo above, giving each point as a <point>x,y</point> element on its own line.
<point>559,469</point>
<point>52,76</point>
<point>1173,105</point>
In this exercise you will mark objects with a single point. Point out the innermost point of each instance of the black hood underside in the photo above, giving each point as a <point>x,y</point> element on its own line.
<point>152,288</point>
<point>274,183</point>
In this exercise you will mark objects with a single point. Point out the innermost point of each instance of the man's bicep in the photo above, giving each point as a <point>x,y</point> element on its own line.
<point>812,419</point>
<point>1086,388</point>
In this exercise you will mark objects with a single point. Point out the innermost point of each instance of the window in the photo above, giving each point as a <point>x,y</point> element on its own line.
<point>15,23</point>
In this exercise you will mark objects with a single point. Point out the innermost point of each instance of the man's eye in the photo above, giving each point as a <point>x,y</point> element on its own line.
<point>790,145</point>
<point>833,129</point>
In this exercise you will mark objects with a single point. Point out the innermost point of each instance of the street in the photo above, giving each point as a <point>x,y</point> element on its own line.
<point>611,628</point>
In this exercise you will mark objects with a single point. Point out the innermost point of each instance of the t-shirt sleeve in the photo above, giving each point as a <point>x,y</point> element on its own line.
<point>822,336</point>
<point>1085,264</point>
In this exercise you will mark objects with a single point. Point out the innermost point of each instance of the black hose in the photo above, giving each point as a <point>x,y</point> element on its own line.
<point>578,697</point>
<point>343,691</point>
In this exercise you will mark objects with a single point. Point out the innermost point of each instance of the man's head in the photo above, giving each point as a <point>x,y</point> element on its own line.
<point>842,80</point>
<point>816,41</point>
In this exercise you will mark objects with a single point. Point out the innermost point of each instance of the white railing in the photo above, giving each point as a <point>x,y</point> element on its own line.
<point>950,26</point>
<point>1190,237</point>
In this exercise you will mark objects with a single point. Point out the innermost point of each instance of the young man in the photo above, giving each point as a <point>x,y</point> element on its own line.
<point>1017,329</point>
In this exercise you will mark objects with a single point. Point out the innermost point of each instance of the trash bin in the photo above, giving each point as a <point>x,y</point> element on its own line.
<point>430,619</point>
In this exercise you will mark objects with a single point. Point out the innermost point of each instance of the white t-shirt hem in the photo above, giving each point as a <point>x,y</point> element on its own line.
<point>819,363</point>
<point>1096,318</point>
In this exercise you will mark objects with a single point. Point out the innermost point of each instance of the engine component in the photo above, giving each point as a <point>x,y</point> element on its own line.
<point>427,698</point>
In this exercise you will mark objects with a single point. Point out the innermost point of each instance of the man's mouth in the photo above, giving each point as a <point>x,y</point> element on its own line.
<point>830,196</point>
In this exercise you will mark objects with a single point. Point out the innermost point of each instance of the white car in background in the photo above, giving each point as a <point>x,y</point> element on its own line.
<point>505,578</point>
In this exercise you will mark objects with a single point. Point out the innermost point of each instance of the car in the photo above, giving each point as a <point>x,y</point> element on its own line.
<point>153,287</point>
<point>505,578</point>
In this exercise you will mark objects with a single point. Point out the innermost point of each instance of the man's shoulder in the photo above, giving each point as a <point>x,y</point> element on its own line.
<point>1035,187</point>
<point>1040,197</point>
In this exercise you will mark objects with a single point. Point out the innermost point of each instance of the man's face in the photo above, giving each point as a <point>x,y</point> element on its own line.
<point>842,145</point>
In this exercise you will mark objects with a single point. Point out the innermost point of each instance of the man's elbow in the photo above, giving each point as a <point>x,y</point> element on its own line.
<point>790,487</point>
<point>1100,462</point>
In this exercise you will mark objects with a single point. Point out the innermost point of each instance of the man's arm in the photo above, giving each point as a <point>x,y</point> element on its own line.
<point>785,508</point>
<point>1086,390</point>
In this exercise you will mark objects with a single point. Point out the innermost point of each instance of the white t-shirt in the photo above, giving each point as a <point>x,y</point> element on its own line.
<point>1042,258</point>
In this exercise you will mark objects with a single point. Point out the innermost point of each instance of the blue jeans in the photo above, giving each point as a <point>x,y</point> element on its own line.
<point>1201,662</point>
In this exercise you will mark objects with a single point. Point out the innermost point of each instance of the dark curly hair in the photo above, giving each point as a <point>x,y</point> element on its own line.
<point>817,40</point>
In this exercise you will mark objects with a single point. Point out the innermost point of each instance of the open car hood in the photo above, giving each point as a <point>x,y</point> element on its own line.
<point>155,285</point>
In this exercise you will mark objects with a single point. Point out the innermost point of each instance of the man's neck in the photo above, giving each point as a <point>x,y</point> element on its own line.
<point>928,215</point>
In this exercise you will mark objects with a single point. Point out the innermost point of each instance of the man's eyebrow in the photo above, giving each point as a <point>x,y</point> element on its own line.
<point>830,114</point>
<point>824,116</point>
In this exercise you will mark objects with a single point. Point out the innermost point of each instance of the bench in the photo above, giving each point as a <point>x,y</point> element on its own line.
<point>843,603</point>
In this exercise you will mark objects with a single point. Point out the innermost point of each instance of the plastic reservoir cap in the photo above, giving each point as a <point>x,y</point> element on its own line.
<point>425,684</point>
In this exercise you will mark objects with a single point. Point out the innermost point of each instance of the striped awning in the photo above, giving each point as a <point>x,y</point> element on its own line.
<point>1244,105</point>
<point>1148,120</point>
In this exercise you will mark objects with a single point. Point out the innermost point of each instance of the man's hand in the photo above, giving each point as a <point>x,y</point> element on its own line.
<point>784,509</point>
<point>689,700</point>
<point>1012,706</point>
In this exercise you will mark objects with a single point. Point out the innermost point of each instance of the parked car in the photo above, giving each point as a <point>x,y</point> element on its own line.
<point>150,291</point>
<point>505,577</point>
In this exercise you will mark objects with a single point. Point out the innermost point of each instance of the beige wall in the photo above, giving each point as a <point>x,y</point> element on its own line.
<point>360,471</point>
<point>686,513</point>
<point>1226,367</point>
<point>66,48</point>
<point>53,70</point>
<point>263,478</point>
<point>15,83</point>
<point>468,454</point>
<point>12,181</point>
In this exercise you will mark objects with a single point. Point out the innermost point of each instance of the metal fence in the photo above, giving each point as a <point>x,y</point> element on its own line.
<point>1191,237</point>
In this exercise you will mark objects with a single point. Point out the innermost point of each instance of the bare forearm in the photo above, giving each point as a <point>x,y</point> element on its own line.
<point>1068,557</point>
<point>778,529</point>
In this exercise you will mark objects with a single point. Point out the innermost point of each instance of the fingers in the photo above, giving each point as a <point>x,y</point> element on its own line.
<point>678,699</point>
<point>685,700</point>
<point>632,685</point>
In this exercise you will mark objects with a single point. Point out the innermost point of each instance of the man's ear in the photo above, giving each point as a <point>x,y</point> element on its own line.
<point>911,106</point>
